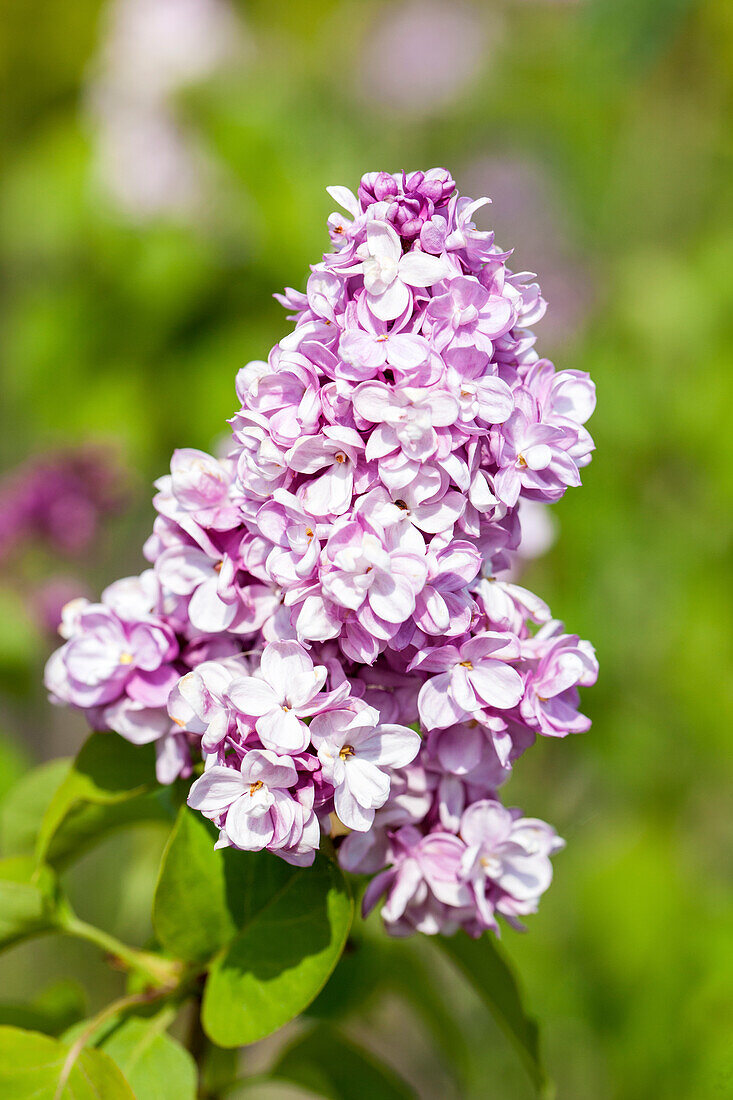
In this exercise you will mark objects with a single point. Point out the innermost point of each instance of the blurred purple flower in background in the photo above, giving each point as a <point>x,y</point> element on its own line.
<point>420,57</point>
<point>150,50</point>
<point>58,499</point>
<point>56,503</point>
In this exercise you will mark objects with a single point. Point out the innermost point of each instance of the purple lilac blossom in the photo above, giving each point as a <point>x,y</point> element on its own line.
<point>330,621</point>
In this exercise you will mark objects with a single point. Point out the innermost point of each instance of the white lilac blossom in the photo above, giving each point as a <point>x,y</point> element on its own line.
<point>330,622</point>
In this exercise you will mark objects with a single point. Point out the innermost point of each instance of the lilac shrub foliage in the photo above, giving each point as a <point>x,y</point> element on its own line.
<point>329,619</point>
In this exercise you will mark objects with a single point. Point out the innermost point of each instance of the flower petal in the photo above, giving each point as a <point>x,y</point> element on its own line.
<point>421,269</point>
<point>282,731</point>
<point>391,302</point>
<point>251,832</point>
<point>216,789</point>
<point>497,684</point>
<point>253,696</point>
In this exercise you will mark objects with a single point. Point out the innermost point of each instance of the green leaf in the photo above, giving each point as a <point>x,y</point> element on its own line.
<point>57,1008</point>
<point>28,897</point>
<point>329,1064</point>
<point>205,895</point>
<point>26,803</point>
<point>31,1068</point>
<point>482,962</point>
<point>111,783</point>
<point>294,927</point>
<point>92,823</point>
<point>156,1066</point>
<point>192,908</point>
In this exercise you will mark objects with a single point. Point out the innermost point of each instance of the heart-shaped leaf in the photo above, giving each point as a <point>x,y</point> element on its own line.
<point>32,1067</point>
<point>294,927</point>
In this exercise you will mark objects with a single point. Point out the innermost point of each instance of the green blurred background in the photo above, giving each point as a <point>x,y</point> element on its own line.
<point>164,165</point>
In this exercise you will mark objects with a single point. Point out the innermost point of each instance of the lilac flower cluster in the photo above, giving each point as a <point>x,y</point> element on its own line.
<point>328,620</point>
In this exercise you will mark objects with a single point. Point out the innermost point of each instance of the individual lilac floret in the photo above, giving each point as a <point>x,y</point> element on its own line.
<point>470,678</point>
<point>506,861</point>
<point>558,664</point>
<point>198,486</point>
<point>106,656</point>
<point>354,751</point>
<point>424,892</point>
<point>285,691</point>
<point>391,276</point>
<point>255,807</point>
<point>199,702</point>
<point>119,663</point>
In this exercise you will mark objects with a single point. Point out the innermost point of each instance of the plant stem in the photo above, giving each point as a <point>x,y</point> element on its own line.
<point>163,971</point>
